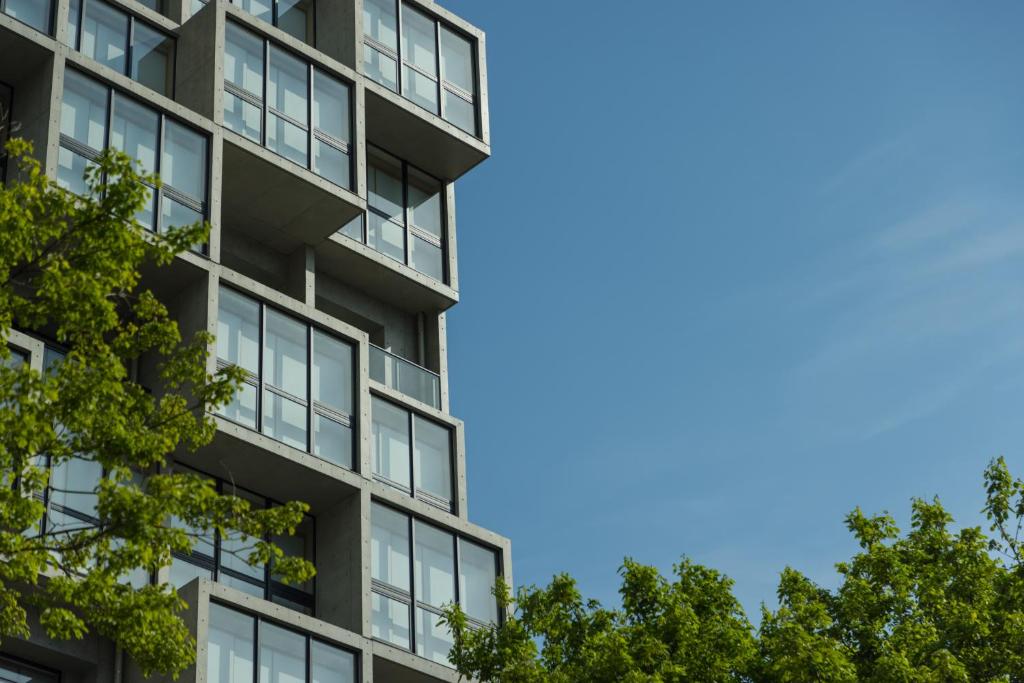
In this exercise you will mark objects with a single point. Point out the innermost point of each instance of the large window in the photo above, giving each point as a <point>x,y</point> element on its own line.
<point>299,387</point>
<point>94,117</point>
<point>303,115</point>
<point>438,66</point>
<point>412,453</point>
<point>124,43</point>
<point>36,13</point>
<point>417,569</point>
<point>405,219</point>
<point>19,672</point>
<point>240,644</point>
<point>222,557</point>
<point>294,17</point>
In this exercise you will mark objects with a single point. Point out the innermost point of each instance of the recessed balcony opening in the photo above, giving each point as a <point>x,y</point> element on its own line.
<point>26,73</point>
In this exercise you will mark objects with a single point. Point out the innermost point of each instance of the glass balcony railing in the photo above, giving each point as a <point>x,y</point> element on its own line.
<point>405,377</point>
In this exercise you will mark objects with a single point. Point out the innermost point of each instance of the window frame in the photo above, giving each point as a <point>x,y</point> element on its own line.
<point>54,674</point>
<point>313,407</point>
<point>271,588</point>
<point>409,598</point>
<point>129,41</point>
<point>51,19</point>
<point>409,230</point>
<point>262,103</point>
<point>309,40</point>
<point>307,636</point>
<point>202,207</point>
<point>6,110</point>
<point>414,490</point>
<point>441,84</point>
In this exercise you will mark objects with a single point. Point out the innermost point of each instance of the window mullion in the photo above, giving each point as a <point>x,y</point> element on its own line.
<point>266,93</point>
<point>437,67</point>
<point>412,583</point>
<point>130,38</point>
<point>260,378</point>
<point>309,389</point>
<point>309,114</point>
<point>412,454</point>
<point>158,216</point>
<point>398,45</point>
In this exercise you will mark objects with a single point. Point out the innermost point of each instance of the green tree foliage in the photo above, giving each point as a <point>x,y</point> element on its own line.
<point>69,268</point>
<point>932,605</point>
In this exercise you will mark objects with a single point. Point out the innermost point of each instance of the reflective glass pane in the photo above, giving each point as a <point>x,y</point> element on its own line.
<point>380,22</point>
<point>71,482</point>
<point>384,185</point>
<point>155,5</point>
<point>386,237</point>
<point>284,362</point>
<point>242,117</point>
<point>70,167</point>
<point>153,59</point>
<point>247,587</point>
<point>231,649</point>
<point>332,441</point>
<point>427,258</point>
<point>183,164</point>
<point>105,35</point>
<point>284,420</point>
<point>135,131</point>
<point>380,68</point>
<point>460,112</point>
<point>425,202</point>
<point>433,640</point>
<point>435,565</point>
<point>260,9</point>
<point>419,43</point>
<point>83,112</point>
<point>476,581</point>
<point>390,620</point>
<point>419,89</point>
<point>198,5</point>
<point>299,544</point>
<point>282,655</point>
<point>242,408</point>
<point>390,442</point>
<point>331,163</point>
<point>432,458</point>
<point>295,17</point>
<point>354,228</point>
<point>389,547</point>
<point>243,59</point>
<point>176,215</point>
<point>235,546</point>
<point>183,571</point>
<point>238,330</point>
<point>74,20</point>
<point>330,106</point>
<point>287,139</point>
<point>17,672</point>
<point>147,214</point>
<point>35,13</point>
<point>457,60</point>
<point>287,85</point>
<point>331,664</point>
<point>332,372</point>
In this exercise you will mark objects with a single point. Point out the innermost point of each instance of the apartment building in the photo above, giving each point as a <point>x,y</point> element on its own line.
<point>322,140</point>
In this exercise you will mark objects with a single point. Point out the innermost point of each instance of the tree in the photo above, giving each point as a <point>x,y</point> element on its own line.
<point>930,605</point>
<point>70,269</point>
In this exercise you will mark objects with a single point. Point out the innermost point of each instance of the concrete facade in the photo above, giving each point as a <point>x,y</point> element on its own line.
<point>276,240</point>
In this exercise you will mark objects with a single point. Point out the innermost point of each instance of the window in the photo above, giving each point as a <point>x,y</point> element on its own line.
<point>222,557</point>
<point>36,13</point>
<point>438,66</point>
<point>19,672</point>
<point>444,569</point>
<point>239,641</point>
<point>412,453</point>
<point>307,405</point>
<point>305,115</point>
<point>122,42</point>
<point>94,117</point>
<point>294,17</point>
<point>405,220</point>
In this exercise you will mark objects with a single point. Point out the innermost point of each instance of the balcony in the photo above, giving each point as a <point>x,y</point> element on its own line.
<point>405,377</point>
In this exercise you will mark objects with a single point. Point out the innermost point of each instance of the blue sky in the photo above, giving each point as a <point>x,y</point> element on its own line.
<point>734,269</point>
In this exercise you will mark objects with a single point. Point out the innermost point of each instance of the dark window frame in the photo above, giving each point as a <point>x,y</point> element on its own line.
<point>409,598</point>
<point>202,207</point>
<point>129,40</point>
<point>271,587</point>
<point>6,110</point>
<point>313,407</point>
<point>441,84</point>
<point>312,132</point>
